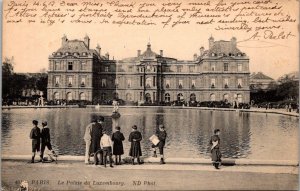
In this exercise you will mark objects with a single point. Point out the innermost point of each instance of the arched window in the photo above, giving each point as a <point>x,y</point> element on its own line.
<point>167,97</point>
<point>193,97</point>
<point>128,97</point>
<point>212,97</point>
<point>180,97</point>
<point>225,97</point>
<point>56,95</point>
<point>82,96</point>
<point>69,96</point>
<point>240,98</point>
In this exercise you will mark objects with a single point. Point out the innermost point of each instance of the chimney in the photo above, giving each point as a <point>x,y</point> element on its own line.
<point>201,50</point>
<point>107,55</point>
<point>195,57</point>
<point>211,42</point>
<point>87,41</point>
<point>98,49</point>
<point>138,53</point>
<point>233,42</point>
<point>161,53</point>
<point>64,40</point>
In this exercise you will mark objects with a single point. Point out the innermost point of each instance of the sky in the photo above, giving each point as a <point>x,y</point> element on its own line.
<point>30,45</point>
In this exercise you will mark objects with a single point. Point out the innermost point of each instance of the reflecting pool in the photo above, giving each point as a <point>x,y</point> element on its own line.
<point>243,135</point>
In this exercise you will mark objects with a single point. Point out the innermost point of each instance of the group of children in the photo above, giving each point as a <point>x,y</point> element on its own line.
<point>100,145</point>
<point>40,140</point>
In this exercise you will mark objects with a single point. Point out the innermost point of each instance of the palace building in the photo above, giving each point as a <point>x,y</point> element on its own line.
<point>77,72</point>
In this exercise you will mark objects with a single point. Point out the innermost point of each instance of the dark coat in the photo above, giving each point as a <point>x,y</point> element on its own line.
<point>117,138</point>
<point>135,148</point>
<point>215,152</point>
<point>162,135</point>
<point>35,136</point>
<point>96,134</point>
<point>45,135</point>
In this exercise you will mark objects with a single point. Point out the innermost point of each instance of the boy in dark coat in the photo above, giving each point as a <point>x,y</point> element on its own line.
<point>117,138</point>
<point>162,135</point>
<point>96,134</point>
<point>135,138</point>
<point>215,149</point>
<point>45,135</point>
<point>35,136</point>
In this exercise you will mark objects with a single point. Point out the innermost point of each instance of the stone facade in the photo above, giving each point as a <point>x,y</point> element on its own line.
<point>219,73</point>
<point>73,69</point>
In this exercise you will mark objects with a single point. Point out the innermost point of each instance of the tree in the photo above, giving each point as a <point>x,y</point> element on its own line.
<point>288,89</point>
<point>42,83</point>
<point>7,76</point>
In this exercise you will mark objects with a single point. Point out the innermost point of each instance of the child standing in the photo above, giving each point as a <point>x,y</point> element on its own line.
<point>35,136</point>
<point>135,138</point>
<point>215,149</point>
<point>162,135</point>
<point>45,136</point>
<point>117,138</point>
<point>106,146</point>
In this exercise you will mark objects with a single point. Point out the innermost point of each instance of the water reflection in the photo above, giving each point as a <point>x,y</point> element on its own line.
<point>243,135</point>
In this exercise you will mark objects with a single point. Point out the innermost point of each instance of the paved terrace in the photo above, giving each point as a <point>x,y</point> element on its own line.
<point>75,175</point>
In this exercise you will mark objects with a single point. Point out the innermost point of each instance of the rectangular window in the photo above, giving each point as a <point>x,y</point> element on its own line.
<point>83,65</point>
<point>106,69</point>
<point>128,83</point>
<point>240,82</point>
<point>213,66</point>
<point>154,81</point>
<point>226,81</point>
<point>192,68</point>
<point>70,65</point>
<point>225,66</point>
<point>193,83</point>
<point>130,68</point>
<point>179,68</point>
<point>57,65</point>
<point>239,67</point>
<point>82,81</point>
<point>180,83</point>
<point>56,79</point>
<point>167,83</point>
<point>213,82</point>
<point>70,80</point>
<point>103,83</point>
<point>141,81</point>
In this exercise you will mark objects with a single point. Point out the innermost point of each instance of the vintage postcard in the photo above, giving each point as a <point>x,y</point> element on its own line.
<point>150,95</point>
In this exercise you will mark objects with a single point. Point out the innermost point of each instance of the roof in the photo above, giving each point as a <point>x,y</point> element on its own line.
<point>148,54</point>
<point>224,47</point>
<point>73,46</point>
<point>78,46</point>
<point>260,76</point>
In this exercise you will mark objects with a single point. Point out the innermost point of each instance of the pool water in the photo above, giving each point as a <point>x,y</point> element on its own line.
<point>243,135</point>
